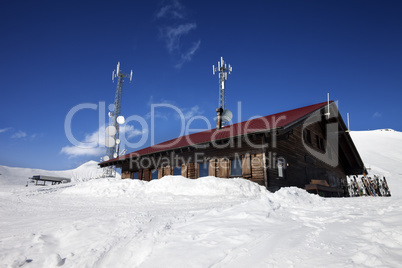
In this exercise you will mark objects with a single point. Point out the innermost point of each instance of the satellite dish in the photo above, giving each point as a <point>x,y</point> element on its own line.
<point>120,119</point>
<point>117,141</point>
<point>110,114</point>
<point>227,115</point>
<point>106,158</point>
<point>115,155</point>
<point>110,131</point>
<point>109,142</point>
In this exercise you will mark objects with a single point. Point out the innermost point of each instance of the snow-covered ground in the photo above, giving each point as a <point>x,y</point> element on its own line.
<point>381,151</point>
<point>208,222</point>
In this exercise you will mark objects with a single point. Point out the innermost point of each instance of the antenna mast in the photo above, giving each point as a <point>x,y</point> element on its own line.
<point>348,130</point>
<point>112,131</point>
<point>328,113</point>
<point>223,76</point>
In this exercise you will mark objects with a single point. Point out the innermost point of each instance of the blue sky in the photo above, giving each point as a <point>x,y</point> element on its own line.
<point>55,55</point>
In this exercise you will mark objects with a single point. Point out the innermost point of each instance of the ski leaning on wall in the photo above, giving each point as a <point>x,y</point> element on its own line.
<point>368,186</point>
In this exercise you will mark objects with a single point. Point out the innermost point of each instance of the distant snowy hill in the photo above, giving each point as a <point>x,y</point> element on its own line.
<point>381,151</point>
<point>19,176</point>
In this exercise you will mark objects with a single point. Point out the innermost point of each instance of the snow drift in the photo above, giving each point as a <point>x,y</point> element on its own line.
<point>207,222</point>
<point>168,185</point>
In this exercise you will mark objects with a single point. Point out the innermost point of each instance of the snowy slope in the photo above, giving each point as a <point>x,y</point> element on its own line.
<point>19,176</point>
<point>208,222</point>
<point>381,151</point>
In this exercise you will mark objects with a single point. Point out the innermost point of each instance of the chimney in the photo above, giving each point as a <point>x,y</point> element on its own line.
<point>219,112</point>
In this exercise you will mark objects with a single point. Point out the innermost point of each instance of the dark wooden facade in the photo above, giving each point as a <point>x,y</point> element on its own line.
<point>273,158</point>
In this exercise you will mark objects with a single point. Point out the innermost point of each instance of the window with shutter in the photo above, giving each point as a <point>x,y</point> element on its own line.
<point>160,172</point>
<point>177,171</point>
<point>196,170</point>
<point>147,174</point>
<point>167,171</point>
<point>191,171</point>
<point>246,172</point>
<point>257,166</point>
<point>236,167</point>
<point>307,136</point>
<point>212,167</point>
<point>154,174</point>
<point>126,175</point>
<point>223,168</point>
<point>184,170</point>
<point>203,169</point>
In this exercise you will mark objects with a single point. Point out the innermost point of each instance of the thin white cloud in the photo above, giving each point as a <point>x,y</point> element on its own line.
<point>151,101</point>
<point>156,114</point>
<point>5,129</point>
<point>171,110</point>
<point>94,143</point>
<point>377,115</point>
<point>191,112</point>
<point>19,135</point>
<point>130,132</point>
<point>74,151</point>
<point>189,54</point>
<point>172,35</point>
<point>173,31</point>
<point>172,10</point>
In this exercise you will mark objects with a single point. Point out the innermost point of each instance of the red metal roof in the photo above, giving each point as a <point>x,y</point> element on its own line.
<point>260,124</point>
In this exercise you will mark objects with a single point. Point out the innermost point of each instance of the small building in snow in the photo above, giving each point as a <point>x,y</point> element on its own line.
<point>308,147</point>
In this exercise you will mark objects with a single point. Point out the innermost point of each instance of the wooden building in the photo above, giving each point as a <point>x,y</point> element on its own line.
<point>308,147</point>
